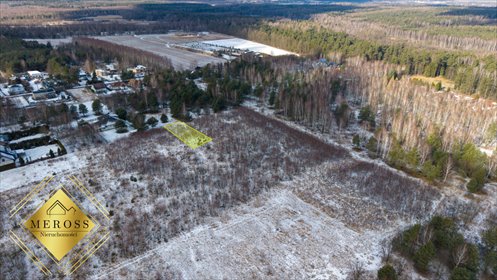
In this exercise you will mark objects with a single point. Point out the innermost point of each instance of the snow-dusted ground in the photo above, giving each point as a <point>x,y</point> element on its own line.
<point>276,236</point>
<point>41,151</point>
<point>111,135</point>
<point>32,173</point>
<point>242,44</point>
<point>163,45</point>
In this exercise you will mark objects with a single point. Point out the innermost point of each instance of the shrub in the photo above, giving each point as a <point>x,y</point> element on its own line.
<point>372,147</point>
<point>431,171</point>
<point>152,121</point>
<point>121,113</point>
<point>387,272</point>
<point>477,181</point>
<point>356,140</point>
<point>366,114</point>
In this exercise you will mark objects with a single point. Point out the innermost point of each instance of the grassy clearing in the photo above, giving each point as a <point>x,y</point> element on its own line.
<point>446,83</point>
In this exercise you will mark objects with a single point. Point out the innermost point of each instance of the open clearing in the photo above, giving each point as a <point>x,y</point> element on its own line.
<point>163,45</point>
<point>446,83</point>
<point>189,50</point>
<point>276,236</point>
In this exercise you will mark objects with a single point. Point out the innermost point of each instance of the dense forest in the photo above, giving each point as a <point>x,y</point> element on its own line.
<point>470,73</point>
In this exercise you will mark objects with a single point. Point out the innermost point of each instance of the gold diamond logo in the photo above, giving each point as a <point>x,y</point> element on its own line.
<point>59,224</point>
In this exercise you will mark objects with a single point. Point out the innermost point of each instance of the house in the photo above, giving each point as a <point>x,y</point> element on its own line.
<point>99,88</point>
<point>100,72</point>
<point>111,69</point>
<point>139,69</point>
<point>35,74</point>
<point>118,86</point>
<point>44,94</point>
<point>16,89</point>
<point>82,75</point>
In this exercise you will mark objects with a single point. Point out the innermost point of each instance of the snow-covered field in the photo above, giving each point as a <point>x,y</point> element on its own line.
<point>275,236</point>
<point>246,45</point>
<point>185,51</point>
<point>53,42</point>
<point>162,45</point>
<point>41,151</point>
<point>30,174</point>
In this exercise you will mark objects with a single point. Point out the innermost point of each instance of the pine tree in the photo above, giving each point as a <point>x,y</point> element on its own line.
<point>97,106</point>
<point>82,109</point>
<point>163,118</point>
<point>423,256</point>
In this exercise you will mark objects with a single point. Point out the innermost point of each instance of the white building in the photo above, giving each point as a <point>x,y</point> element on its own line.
<point>35,74</point>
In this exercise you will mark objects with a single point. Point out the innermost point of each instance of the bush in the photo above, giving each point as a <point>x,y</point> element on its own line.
<point>474,186</point>
<point>477,180</point>
<point>438,86</point>
<point>120,126</point>
<point>152,121</point>
<point>372,147</point>
<point>431,171</point>
<point>356,140</point>
<point>121,113</point>
<point>121,130</point>
<point>387,272</point>
<point>366,114</point>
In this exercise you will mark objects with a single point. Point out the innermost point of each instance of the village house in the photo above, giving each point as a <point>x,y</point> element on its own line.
<point>111,69</point>
<point>100,72</point>
<point>35,74</point>
<point>139,69</point>
<point>118,86</point>
<point>99,88</point>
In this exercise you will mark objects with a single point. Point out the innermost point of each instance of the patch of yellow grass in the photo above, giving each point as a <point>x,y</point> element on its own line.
<point>446,83</point>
